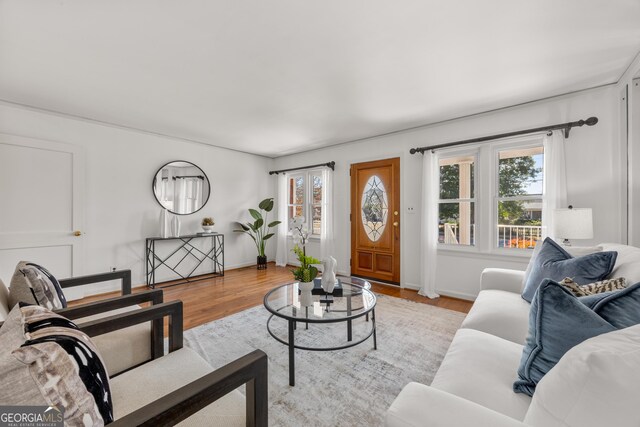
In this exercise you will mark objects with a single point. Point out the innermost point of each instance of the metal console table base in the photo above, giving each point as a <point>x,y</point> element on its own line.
<point>215,254</point>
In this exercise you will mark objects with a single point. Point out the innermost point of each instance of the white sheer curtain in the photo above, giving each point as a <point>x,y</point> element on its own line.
<point>555,179</point>
<point>326,229</point>
<point>282,230</point>
<point>429,225</point>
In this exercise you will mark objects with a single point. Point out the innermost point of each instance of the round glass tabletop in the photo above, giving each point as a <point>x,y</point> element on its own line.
<point>351,299</point>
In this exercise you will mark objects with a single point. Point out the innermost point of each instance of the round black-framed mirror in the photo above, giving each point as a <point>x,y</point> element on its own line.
<point>181,187</point>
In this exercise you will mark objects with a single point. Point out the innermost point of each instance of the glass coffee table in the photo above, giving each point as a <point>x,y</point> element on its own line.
<point>354,301</point>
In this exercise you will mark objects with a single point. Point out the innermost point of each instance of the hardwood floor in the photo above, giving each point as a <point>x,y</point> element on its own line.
<point>244,288</point>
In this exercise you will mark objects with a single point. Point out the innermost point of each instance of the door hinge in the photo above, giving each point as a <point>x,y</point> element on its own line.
<point>349,217</point>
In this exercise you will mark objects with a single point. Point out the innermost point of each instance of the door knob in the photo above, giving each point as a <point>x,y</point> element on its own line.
<point>77,233</point>
<point>395,224</point>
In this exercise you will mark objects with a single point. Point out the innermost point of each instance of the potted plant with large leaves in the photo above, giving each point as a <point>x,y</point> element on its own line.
<point>260,230</point>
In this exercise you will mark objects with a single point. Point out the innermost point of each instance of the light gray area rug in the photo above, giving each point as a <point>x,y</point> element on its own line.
<point>350,387</point>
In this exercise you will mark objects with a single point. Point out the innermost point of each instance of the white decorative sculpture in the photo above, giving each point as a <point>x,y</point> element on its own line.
<point>329,265</point>
<point>175,226</point>
<point>165,224</point>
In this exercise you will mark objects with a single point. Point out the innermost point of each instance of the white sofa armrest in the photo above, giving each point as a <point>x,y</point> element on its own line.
<point>502,279</point>
<point>419,405</point>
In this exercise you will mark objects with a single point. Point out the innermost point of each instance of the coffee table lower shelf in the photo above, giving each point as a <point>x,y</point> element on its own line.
<point>291,337</point>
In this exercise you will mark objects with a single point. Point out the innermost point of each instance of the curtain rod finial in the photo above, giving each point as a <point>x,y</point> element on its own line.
<point>591,121</point>
<point>413,151</point>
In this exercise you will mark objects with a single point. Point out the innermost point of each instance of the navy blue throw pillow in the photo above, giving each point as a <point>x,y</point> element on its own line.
<point>559,321</point>
<point>555,263</point>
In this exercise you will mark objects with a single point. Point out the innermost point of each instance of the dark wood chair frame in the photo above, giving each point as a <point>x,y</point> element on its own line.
<point>153,297</point>
<point>123,275</point>
<point>178,405</point>
<point>125,300</point>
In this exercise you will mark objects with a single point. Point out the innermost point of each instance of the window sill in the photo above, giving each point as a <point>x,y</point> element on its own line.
<point>515,255</point>
<point>311,238</point>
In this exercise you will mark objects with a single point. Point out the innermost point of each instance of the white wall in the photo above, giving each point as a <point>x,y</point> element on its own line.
<point>593,166</point>
<point>120,210</point>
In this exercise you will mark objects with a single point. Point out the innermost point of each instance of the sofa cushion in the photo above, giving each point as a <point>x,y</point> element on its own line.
<point>555,263</point>
<point>480,367</point>
<point>501,313</point>
<point>147,383</point>
<point>34,284</point>
<point>419,405</point>
<point>559,321</point>
<point>46,353</point>
<point>597,383</point>
<point>124,348</point>
<point>628,262</point>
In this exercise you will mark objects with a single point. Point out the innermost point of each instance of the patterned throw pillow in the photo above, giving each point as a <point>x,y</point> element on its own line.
<point>607,285</point>
<point>33,284</point>
<point>46,360</point>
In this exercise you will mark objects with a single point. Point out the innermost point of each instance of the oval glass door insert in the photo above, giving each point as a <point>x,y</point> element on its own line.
<point>374,208</point>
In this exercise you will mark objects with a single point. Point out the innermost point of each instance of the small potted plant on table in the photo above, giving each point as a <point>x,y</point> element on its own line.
<point>306,272</point>
<point>207,224</point>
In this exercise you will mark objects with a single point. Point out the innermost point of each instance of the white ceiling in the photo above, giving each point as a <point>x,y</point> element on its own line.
<point>273,77</point>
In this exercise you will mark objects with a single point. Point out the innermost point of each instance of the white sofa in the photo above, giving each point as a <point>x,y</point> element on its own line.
<point>473,386</point>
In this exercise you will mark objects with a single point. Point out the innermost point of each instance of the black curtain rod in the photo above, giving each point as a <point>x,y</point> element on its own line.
<point>566,126</point>
<point>331,165</point>
<point>188,176</point>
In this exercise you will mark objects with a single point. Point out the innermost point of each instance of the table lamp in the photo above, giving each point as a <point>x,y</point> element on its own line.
<point>572,223</point>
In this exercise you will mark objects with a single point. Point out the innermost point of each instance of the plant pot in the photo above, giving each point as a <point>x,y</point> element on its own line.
<point>306,298</point>
<point>207,228</point>
<point>262,262</point>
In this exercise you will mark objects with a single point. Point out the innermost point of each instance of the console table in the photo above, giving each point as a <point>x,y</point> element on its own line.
<point>184,249</point>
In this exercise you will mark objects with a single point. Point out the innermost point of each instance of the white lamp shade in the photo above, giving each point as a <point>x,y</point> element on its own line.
<point>576,223</point>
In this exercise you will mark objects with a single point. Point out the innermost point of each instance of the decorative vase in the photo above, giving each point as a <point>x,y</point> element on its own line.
<point>165,224</point>
<point>207,228</point>
<point>175,226</point>
<point>262,262</point>
<point>329,265</point>
<point>306,298</point>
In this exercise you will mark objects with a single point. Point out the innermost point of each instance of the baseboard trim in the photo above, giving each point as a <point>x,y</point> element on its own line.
<point>459,295</point>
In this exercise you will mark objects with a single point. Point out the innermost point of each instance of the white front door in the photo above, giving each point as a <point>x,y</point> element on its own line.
<point>40,206</point>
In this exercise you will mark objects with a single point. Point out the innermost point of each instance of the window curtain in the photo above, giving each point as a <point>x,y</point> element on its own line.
<point>326,229</point>
<point>180,195</point>
<point>283,228</point>
<point>429,225</point>
<point>555,179</point>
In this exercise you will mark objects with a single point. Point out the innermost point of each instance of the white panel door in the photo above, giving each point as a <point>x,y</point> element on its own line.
<point>40,205</point>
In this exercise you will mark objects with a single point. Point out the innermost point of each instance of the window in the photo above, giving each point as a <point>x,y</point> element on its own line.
<point>456,210</point>
<point>491,198</point>
<point>305,198</point>
<point>519,197</point>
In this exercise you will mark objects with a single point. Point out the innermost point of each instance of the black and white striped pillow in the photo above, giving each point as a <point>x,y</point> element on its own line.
<point>58,359</point>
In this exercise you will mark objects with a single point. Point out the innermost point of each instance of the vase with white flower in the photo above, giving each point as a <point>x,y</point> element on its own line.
<point>306,272</point>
